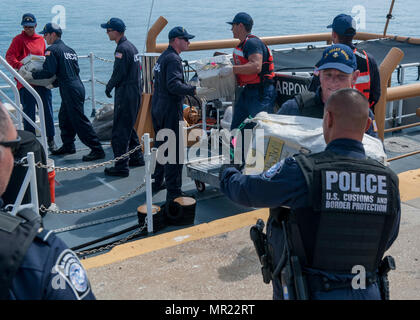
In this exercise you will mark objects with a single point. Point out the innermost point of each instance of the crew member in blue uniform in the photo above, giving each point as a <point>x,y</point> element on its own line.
<point>126,79</point>
<point>34,264</point>
<point>344,208</point>
<point>369,81</point>
<point>169,92</point>
<point>62,61</point>
<point>337,70</point>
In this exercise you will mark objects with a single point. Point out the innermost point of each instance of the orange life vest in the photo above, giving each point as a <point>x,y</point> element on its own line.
<point>267,70</point>
<point>363,81</point>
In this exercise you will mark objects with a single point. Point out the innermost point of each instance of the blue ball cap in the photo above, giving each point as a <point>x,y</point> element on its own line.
<point>51,27</point>
<point>115,24</point>
<point>340,57</point>
<point>179,32</point>
<point>242,17</point>
<point>344,25</point>
<point>28,20</point>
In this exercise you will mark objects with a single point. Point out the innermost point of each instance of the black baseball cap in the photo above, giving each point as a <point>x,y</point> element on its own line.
<point>115,24</point>
<point>344,25</point>
<point>242,17</point>
<point>179,32</point>
<point>28,20</point>
<point>52,27</point>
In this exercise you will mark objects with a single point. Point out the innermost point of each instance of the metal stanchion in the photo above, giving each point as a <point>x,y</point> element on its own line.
<point>92,82</point>
<point>148,175</point>
<point>30,178</point>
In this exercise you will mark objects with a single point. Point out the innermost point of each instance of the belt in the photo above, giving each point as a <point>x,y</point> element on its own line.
<point>322,283</point>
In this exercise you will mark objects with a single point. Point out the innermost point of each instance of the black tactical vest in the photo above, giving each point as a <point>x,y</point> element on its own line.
<point>352,209</point>
<point>16,235</point>
<point>310,105</point>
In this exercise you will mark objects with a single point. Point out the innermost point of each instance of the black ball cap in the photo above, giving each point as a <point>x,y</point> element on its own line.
<point>115,24</point>
<point>179,32</point>
<point>52,27</point>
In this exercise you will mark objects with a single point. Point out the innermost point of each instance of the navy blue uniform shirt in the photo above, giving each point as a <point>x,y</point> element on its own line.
<point>126,65</point>
<point>169,79</point>
<point>255,45</point>
<point>50,271</point>
<point>60,60</point>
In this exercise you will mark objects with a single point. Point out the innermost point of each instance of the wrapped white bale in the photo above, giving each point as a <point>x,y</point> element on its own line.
<point>34,63</point>
<point>288,135</point>
<point>208,72</point>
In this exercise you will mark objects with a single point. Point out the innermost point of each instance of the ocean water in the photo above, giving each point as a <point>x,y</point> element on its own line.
<point>206,19</point>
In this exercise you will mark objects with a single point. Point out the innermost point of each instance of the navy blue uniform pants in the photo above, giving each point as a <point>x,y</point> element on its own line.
<point>168,119</point>
<point>252,101</point>
<point>28,103</point>
<point>124,137</point>
<point>275,238</point>
<point>72,119</point>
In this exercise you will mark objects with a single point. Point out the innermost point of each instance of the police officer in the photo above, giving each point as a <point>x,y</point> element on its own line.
<point>254,70</point>
<point>368,82</point>
<point>337,69</point>
<point>61,61</point>
<point>24,44</point>
<point>35,263</point>
<point>126,79</point>
<point>344,207</point>
<point>168,96</point>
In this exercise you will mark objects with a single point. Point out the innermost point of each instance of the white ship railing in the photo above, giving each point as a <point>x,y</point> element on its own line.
<point>18,106</point>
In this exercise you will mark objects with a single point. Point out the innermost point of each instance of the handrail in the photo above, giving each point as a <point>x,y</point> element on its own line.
<point>37,98</point>
<point>403,92</point>
<point>161,22</point>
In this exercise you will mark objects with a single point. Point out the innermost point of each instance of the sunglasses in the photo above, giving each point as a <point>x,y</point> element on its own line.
<point>186,39</point>
<point>12,144</point>
<point>109,30</point>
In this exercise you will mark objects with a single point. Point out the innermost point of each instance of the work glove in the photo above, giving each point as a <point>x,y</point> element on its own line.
<point>226,71</point>
<point>229,165</point>
<point>204,92</point>
<point>25,73</point>
<point>108,93</point>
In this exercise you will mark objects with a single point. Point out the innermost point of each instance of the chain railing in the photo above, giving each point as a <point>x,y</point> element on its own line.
<point>92,166</point>
<point>102,206</point>
<point>114,244</point>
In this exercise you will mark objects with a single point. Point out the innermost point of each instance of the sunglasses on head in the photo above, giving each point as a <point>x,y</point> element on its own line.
<point>12,144</point>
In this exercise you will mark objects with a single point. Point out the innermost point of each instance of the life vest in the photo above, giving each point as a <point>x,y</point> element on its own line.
<point>310,105</point>
<point>351,210</point>
<point>267,70</point>
<point>363,81</point>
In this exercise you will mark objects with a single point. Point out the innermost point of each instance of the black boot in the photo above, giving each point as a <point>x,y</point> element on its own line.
<point>51,144</point>
<point>115,172</point>
<point>63,150</point>
<point>94,155</point>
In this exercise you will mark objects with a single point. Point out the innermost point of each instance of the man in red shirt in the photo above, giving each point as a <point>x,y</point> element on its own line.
<point>24,44</point>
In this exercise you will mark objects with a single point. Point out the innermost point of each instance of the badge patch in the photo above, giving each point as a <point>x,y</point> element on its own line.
<point>270,173</point>
<point>72,271</point>
<point>47,53</point>
<point>118,55</point>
